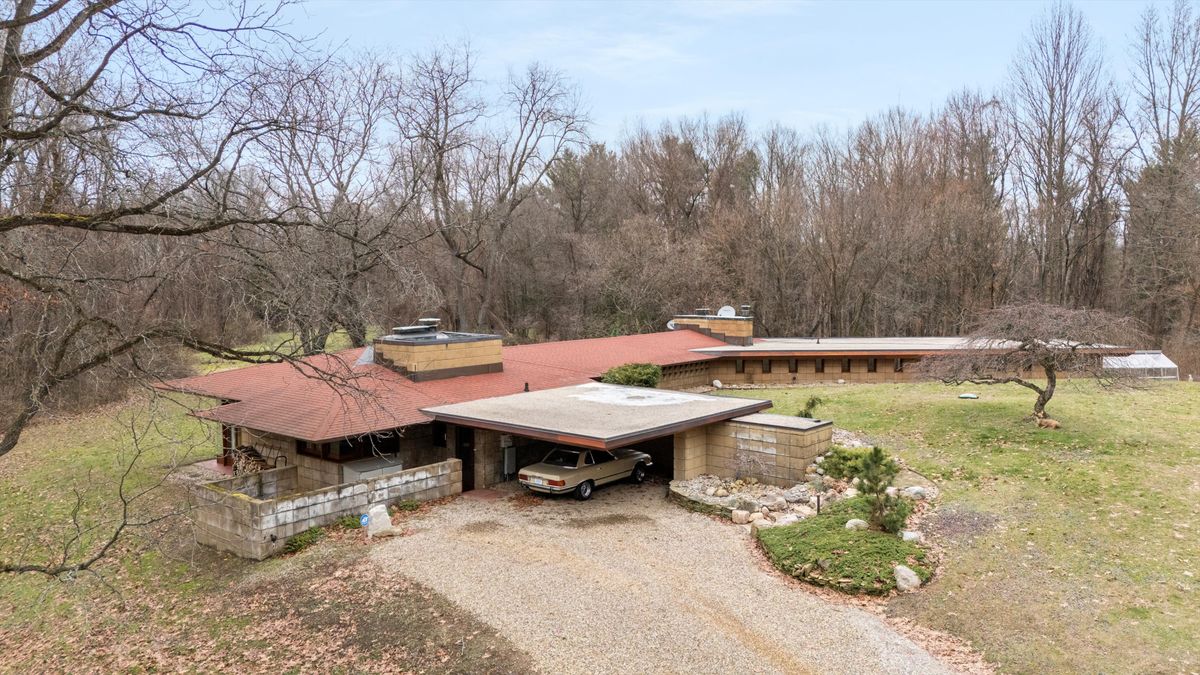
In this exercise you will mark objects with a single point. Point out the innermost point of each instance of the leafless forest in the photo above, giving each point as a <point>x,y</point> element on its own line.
<point>173,179</point>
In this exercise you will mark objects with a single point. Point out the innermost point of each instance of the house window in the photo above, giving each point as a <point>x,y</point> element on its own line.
<point>871,365</point>
<point>355,448</point>
<point>766,367</point>
<point>439,434</point>
<point>312,449</point>
<point>819,366</point>
<point>845,365</point>
<point>739,366</point>
<point>793,365</point>
<point>899,365</point>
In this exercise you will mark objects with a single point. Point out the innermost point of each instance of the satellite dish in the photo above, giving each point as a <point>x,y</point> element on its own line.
<point>727,311</point>
<point>671,325</point>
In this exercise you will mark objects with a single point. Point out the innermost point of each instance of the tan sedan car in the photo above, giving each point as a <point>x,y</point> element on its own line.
<point>575,469</point>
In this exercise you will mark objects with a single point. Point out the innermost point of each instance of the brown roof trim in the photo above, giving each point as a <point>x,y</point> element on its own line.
<point>609,443</point>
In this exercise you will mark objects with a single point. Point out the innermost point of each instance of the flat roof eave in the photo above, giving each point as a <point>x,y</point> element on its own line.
<point>579,422</point>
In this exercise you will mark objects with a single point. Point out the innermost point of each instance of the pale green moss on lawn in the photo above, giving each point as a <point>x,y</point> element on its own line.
<point>1070,550</point>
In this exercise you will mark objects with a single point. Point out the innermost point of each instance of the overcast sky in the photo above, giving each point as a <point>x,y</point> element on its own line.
<point>797,63</point>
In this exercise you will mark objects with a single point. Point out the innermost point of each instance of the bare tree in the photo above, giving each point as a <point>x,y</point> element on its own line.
<point>1019,344</point>
<point>1062,121</point>
<point>1162,239</point>
<point>337,167</point>
<point>123,126</point>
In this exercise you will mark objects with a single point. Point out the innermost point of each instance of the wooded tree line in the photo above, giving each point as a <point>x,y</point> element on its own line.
<point>171,178</point>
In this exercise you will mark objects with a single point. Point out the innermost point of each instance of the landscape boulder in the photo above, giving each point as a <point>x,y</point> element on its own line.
<point>773,502</point>
<point>850,492</point>
<point>906,579</point>
<point>912,535</point>
<point>787,519</point>
<point>379,522</point>
<point>796,495</point>
<point>856,524</point>
<point>722,492</point>
<point>916,492</point>
<point>740,516</point>
<point>760,525</point>
<point>747,503</point>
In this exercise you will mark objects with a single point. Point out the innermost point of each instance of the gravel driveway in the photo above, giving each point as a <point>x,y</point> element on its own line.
<point>629,582</point>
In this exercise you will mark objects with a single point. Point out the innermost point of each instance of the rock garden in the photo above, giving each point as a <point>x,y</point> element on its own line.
<point>846,527</point>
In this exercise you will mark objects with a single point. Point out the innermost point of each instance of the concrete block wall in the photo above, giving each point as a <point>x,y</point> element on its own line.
<point>737,330</point>
<point>686,376</point>
<point>427,358</point>
<point>254,527</point>
<point>691,448</point>
<point>262,485</point>
<point>774,454</point>
<point>725,370</point>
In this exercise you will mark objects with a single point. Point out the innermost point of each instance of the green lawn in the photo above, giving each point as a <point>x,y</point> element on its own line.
<point>1071,550</point>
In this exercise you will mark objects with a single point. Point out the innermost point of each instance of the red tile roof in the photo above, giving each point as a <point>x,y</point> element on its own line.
<point>330,397</point>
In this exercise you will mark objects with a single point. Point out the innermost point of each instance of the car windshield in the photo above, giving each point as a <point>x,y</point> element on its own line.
<point>565,458</point>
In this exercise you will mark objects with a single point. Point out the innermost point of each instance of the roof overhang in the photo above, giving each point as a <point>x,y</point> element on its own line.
<point>596,415</point>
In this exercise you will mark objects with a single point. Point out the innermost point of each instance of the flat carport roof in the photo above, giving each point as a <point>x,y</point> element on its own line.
<point>596,415</point>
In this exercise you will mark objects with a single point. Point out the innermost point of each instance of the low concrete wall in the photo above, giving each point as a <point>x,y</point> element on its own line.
<point>775,449</point>
<point>252,516</point>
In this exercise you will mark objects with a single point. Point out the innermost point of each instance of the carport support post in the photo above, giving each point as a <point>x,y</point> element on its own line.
<point>691,453</point>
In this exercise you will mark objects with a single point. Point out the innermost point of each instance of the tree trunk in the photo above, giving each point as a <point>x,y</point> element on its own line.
<point>1047,392</point>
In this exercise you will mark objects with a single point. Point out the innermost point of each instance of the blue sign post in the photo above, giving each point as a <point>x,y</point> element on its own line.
<point>364,520</point>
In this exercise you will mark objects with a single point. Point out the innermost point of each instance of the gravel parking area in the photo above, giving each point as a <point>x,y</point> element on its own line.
<point>629,582</point>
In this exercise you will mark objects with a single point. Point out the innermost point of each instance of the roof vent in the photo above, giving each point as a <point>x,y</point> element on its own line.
<point>421,329</point>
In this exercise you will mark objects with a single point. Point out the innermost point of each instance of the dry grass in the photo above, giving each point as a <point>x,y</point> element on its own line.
<point>163,603</point>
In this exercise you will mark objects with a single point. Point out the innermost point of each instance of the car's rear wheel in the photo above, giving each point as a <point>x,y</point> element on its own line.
<point>639,473</point>
<point>583,491</point>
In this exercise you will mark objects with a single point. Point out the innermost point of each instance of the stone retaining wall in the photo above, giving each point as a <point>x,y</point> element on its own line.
<point>252,516</point>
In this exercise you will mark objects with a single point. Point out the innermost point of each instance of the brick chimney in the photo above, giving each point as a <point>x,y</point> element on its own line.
<point>422,352</point>
<point>737,329</point>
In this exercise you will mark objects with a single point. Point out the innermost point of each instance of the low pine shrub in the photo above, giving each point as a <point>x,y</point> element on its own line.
<point>848,462</point>
<point>877,471</point>
<point>634,375</point>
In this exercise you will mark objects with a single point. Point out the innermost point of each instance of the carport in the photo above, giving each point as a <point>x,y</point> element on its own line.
<point>670,425</point>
